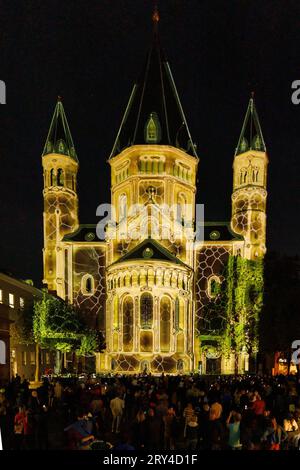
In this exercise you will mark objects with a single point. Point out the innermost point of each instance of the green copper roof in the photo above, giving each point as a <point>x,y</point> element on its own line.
<point>59,139</point>
<point>251,137</point>
<point>154,100</point>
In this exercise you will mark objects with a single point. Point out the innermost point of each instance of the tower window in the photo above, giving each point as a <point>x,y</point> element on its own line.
<point>243,176</point>
<point>60,177</point>
<point>181,208</point>
<point>122,207</point>
<point>52,178</point>
<point>255,175</point>
<point>87,284</point>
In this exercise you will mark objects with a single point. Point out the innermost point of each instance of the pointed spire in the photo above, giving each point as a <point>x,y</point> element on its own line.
<point>251,137</point>
<point>59,139</point>
<point>155,17</point>
<point>154,114</point>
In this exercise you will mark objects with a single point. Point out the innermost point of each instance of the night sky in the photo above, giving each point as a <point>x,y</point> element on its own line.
<point>90,52</point>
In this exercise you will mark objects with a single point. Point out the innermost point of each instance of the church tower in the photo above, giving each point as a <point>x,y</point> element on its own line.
<point>154,163</point>
<point>149,316</point>
<point>249,186</point>
<point>60,166</point>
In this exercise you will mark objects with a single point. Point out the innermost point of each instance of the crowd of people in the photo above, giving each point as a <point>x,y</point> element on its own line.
<point>144,412</point>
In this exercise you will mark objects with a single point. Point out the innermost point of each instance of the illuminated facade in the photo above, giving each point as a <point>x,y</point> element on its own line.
<point>166,301</point>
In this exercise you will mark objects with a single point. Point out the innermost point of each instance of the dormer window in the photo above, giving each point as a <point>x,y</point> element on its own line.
<point>152,129</point>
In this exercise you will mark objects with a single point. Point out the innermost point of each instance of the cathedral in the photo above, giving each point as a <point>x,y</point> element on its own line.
<point>167,300</point>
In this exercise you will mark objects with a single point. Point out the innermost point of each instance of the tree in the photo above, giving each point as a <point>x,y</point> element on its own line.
<point>60,326</point>
<point>56,326</point>
<point>92,341</point>
<point>22,332</point>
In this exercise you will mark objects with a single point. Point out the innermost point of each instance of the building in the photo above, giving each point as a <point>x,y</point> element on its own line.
<point>166,300</point>
<point>18,353</point>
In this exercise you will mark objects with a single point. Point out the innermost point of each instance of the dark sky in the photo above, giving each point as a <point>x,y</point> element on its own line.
<point>90,52</point>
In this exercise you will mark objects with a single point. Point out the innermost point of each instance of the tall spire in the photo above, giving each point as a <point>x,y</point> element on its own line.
<point>251,137</point>
<point>59,139</point>
<point>154,114</point>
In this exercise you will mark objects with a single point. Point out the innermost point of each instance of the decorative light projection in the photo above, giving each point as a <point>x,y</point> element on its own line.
<point>165,302</point>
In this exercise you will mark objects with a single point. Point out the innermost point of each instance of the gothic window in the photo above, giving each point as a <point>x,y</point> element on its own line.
<point>87,284</point>
<point>165,324</point>
<point>122,207</point>
<point>255,174</point>
<point>243,176</point>
<point>146,311</point>
<point>60,177</point>
<point>181,207</point>
<point>52,178</point>
<point>128,324</point>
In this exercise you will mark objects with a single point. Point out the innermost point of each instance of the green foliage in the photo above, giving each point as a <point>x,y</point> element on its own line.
<point>91,342</point>
<point>55,324</point>
<point>233,314</point>
<point>21,329</point>
<point>58,325</point>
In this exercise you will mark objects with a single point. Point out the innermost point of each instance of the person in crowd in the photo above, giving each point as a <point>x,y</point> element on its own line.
<point>157,412</point>
<point>192,432</point>
<point>117,407</point>
<point>233,423</point>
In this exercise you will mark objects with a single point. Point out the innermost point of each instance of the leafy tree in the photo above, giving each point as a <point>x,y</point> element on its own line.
<point>60,326</point>
<point>92,341</point>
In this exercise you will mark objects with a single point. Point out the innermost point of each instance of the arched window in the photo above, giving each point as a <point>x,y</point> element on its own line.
<point>122,207</point>
<point>179,316</point>
<point>180,366</point>
<point>243,176</point>
<point>116,312</point>
<point>87,284</point>
<point>52,178</point>
<point>127,324</point>
<point>60,177</point>
<point>2,352</point>
<point>255,174</point>
<point>181,207</point>
<point>146,311</point>
<point>214,284</point>
<point>165,324</point>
